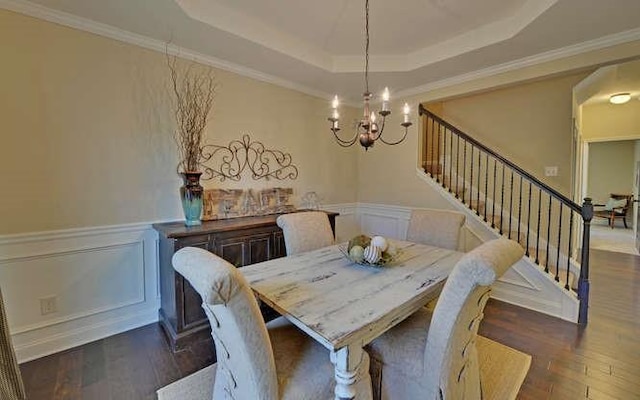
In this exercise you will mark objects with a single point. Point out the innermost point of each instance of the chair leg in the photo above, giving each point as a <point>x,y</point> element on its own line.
<point>625,223</point>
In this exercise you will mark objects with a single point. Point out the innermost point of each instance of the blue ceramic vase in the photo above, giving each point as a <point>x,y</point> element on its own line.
<point>191,194</point>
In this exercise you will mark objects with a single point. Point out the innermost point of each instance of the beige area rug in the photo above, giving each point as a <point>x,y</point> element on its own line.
<point>502,370</point>
<point>197,386</point>
<point>617,239</point>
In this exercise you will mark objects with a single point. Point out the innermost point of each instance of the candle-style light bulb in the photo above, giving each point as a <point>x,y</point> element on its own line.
<point>335,114</point>
<point>335,103</point>
<point>372,117</point>
<point>385,99</point>
<point>405,111</point>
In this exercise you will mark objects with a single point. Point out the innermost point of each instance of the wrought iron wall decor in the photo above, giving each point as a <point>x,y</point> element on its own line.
<point>230,162</point>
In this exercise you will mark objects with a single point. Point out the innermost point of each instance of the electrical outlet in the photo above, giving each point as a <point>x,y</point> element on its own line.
<point>550,171</point>
<point>48,305</point>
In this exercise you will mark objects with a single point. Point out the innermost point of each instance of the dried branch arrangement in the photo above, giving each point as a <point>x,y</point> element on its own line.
<point>194,88</point>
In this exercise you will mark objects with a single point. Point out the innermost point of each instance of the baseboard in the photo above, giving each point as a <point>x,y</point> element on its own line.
<point>44,343</point>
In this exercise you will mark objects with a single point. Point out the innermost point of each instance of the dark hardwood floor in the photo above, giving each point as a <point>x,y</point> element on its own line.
<point>601,361</point>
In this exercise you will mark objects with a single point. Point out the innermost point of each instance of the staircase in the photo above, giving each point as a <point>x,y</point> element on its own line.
<point>508,201</point>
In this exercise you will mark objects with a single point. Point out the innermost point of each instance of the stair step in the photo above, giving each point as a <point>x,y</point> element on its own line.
<point>513,235</point>
<point>562,274</point>
<point>478,206</point>
<point>444,180</point>
<point>433,168</point>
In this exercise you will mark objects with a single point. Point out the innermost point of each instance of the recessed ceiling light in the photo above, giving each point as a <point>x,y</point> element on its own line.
<point>620,98</point>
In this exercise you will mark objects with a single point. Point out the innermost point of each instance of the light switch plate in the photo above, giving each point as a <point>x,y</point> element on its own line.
<point>550,171</point>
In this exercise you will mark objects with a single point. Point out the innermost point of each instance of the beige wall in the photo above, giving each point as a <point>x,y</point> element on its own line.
<point>529,124</point>
<point>387,180</point>
<point>611,169</point>
<point>606,121</point>
<point>86,131</point>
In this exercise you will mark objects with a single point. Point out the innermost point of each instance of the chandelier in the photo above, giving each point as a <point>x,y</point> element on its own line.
<point>368,130</point>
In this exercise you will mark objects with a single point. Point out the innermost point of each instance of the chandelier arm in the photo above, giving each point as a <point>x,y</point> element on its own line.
<point>342,142</point>
<point>406,130</point>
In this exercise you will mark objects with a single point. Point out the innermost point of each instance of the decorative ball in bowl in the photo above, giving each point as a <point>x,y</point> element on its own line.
<point>365,250</point>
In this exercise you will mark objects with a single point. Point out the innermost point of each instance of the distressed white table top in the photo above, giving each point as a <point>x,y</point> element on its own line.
<point>342,303</point>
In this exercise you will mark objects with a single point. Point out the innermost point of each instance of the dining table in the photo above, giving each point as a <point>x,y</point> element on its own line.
<point>345,305</point>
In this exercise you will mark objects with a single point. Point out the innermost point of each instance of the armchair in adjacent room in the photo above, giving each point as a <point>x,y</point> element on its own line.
<point>617,207</point>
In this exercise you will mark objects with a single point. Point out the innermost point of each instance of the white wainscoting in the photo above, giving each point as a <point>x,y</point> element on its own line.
<point>104,281</point>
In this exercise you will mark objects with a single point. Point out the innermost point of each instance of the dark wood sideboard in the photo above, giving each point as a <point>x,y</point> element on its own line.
<point>241,241</point>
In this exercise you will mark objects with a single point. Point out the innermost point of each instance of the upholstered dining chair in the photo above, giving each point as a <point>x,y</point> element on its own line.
<point>305,231</point>
<point>440,228</point>
<point>433,355</point>
<point>11,385</point>
<point>254,360</point>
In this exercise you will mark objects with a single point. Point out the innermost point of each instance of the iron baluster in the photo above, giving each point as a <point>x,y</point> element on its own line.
<point>450,161</point>
<point>528,220</point>
<point>486,184</point>
<point>566,286</point>
<point>457,166</point>
<point>519,208</point>
<point>493,199</point>
<point>502,199</point>
<point>546,267</point>
<point>478,188</point>
<point>444,157</point>
<point>538,230</point>
<point>471,181</point>
<point>464,168</point>
<point>433,129</point>
<point>559,237</point>
<point>510,203</point>
<point>438,155</point>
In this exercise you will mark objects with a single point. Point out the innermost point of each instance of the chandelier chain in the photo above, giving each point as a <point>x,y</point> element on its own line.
<point>366,51</point>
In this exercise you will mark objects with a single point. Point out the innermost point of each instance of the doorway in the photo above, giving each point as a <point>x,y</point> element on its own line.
<point>607,149</point>
<point>611,170</point>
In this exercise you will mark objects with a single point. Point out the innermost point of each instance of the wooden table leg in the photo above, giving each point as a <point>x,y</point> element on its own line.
<point>353,381</point>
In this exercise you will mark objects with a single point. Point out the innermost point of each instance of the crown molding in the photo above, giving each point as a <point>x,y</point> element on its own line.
<point>553,55</point>
<point>98,28</point>
<point>73,21</point>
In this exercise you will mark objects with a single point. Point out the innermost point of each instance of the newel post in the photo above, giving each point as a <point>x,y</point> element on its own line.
<point>583,282</point>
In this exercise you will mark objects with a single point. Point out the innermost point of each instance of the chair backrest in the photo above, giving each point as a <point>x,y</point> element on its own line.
<point>11,385</point>
<point>439,228</point>
<point>246,366</point>
<point>305,231</point>
<point>627,197</point>
<point>450,358</point>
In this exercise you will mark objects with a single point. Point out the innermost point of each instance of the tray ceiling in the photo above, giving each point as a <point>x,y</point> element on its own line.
<point>318,46</point>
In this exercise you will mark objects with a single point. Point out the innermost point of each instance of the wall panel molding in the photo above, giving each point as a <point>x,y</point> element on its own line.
<point>104,280</point>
